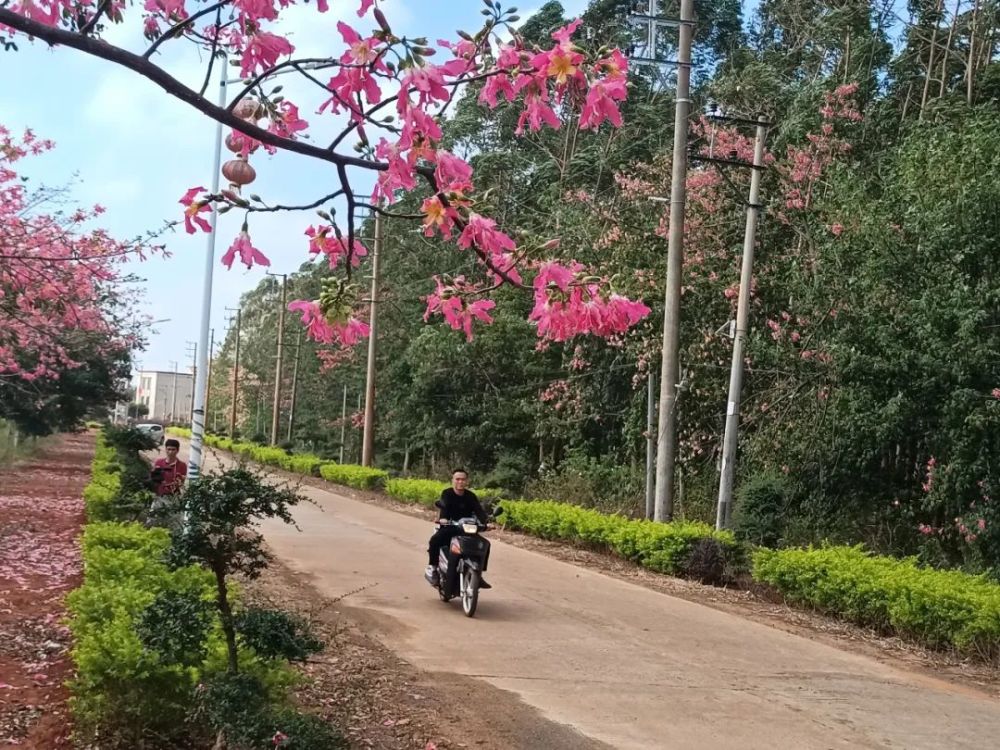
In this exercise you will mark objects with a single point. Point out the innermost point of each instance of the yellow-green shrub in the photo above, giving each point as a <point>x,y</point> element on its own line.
<point>120,688</point>
<point>360,477</point>
<point>934,607</point>
<point>105,482</point>
<point>663,547</point>
<point>428,491</point>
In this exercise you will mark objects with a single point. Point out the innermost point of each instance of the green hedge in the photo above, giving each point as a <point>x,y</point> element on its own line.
<point>299,463</point>
<point>105,483</point>
<point>938,608</point>
<point>360,477</point>
<point>428,491</point>
<point>120,687</point>
<point>663,547</point>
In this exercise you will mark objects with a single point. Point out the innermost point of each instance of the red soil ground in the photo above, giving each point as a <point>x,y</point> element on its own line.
<point>41,516</point>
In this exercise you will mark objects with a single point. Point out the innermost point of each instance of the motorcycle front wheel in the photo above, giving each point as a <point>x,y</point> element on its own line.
<point>470,591</point>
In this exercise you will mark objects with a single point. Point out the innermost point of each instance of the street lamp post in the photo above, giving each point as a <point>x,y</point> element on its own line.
<point>201,379</point>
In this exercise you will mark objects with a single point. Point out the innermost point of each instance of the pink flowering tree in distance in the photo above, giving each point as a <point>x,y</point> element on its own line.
<point>390,93</point>
<point>62,292</point>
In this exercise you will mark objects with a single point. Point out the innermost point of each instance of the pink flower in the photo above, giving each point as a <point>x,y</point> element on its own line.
<point>449,301</point>
<point>837,229</point>
<point>319,329</point>
<point>248,253</point>
<point>335,248</point>
<point>452,173</point>
<point>288,122</point>
<point>263,52</point>
<point>981,523</point>
<point>194,208</point>
<point>601,105</point>
<point>995,393</point>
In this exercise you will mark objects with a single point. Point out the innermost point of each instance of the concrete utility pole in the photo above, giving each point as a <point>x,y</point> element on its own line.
<point>200,394</point>
<point>236,376</point>
<point>276,413</point>
<point>360,441</point>
<point>650,443</point>
<point>295,385</point>
<point>343,425</point>
<point>208,382</point>
<point>729,443</point>
<point>368,441</point>
<point>669,371</point>
<point>173,396</point>
<point>192,351</point>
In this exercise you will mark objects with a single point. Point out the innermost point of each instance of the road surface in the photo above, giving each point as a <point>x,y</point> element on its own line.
<point>624,666</point>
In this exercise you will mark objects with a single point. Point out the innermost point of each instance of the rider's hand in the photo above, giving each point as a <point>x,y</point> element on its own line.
<point>443,522</point>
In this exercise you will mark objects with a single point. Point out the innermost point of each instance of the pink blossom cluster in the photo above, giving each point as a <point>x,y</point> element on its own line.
<point>569,303</point>
<point>452,301</point>
<point>55,275</point>
<point>324,331</point>
<point>563,397</point>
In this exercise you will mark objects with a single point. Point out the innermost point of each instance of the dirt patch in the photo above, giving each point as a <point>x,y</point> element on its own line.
<point>381,701</point>
<point>42,514</point>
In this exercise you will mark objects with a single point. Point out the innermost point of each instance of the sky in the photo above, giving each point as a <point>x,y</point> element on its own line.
<point>125,144</point>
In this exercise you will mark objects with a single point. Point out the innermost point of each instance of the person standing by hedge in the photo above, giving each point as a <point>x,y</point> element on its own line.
<point>169,473</point>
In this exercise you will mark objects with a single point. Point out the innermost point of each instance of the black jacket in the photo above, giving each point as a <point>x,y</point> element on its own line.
<point>454,506</point>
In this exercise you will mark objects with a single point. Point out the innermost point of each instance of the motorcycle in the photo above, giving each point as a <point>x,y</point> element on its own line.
<point>460,564</point>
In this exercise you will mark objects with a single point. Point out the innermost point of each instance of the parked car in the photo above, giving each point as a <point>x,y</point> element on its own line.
<point>154,430</point>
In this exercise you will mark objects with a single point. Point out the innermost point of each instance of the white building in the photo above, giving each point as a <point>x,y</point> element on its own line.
<point>167,394</point>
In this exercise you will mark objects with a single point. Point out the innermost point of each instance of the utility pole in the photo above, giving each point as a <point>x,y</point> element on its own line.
<point>236,376</point>
<point>192,351</point>
<point>360,447</point>
<point>173,396</point>
<point>729,442</point>
<point>343,425</point>
<point>650,443</point>
<point>276,413</point>
<point>208,381</point>
<point>295,385</point>
<point>667,433</point>
<point>368,439</point>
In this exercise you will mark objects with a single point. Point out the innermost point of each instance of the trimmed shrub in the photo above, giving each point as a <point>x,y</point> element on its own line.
<point>663,547</point>
<point>428,491</point>
<point>359,477</point>
<point>936,608</point>
<point>122,690</point>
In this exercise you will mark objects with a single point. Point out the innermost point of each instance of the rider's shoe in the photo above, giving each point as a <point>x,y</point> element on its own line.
<point>483,584</point>
<point>431,574</point>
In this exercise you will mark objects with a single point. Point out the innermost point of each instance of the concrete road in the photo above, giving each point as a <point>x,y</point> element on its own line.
<point>623,665</point>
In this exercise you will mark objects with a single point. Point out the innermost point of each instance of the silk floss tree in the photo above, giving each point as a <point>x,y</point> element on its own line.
<point>392,94</point>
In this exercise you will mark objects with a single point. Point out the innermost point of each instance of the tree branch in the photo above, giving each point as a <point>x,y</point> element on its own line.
<point>89,26</point>
<point>173,30</point>
<point>175,88</point>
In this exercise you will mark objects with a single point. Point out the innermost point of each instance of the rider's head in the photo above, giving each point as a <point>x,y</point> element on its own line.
<point>459,480</point>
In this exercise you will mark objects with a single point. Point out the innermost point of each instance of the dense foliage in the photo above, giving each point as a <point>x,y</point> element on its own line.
<point>873,381</point>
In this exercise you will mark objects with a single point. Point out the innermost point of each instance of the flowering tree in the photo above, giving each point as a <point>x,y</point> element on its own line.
<point>64,338</point>
<point>392,99</point>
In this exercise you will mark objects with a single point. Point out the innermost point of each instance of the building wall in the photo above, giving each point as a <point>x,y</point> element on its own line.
<point>156,388</point>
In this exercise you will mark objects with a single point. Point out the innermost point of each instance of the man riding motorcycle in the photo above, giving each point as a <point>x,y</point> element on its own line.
<point>456,502</point>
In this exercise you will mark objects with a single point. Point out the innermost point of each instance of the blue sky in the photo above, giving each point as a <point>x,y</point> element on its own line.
<point>135,150</point>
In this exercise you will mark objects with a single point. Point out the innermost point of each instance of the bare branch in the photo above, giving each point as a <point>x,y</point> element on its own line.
<point>174,30</point>
<point>92,23</point>
<point>136,63</point>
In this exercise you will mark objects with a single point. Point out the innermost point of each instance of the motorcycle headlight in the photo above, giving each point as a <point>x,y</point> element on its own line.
<point>470,528</point>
